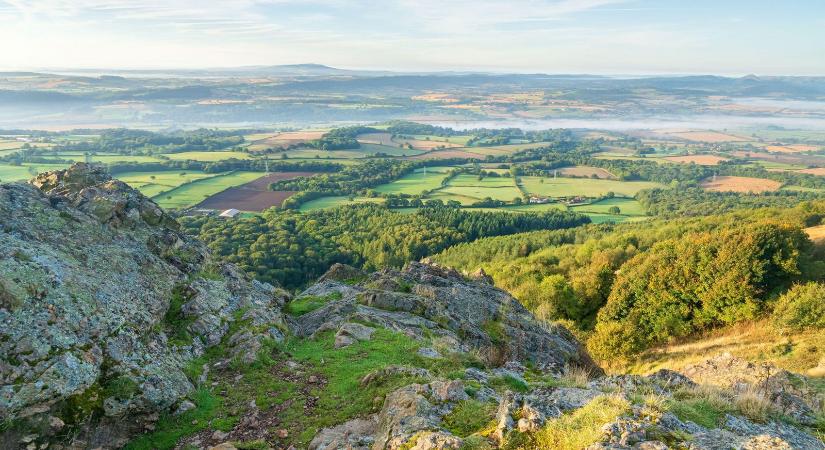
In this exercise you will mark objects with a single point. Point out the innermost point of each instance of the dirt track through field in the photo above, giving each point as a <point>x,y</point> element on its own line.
<point>255,195</point>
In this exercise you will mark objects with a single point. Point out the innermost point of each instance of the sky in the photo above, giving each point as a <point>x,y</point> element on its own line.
<point>726,37</point>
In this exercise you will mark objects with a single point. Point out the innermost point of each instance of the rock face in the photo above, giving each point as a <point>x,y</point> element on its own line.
<point>102,303</point>
<point>466,315</point>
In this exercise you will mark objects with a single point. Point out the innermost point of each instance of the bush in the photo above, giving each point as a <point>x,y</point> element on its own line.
<point>802,306</point>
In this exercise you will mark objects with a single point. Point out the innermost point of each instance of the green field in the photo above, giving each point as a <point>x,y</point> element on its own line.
<point>460,140</point>
<point>414,183</point>
<point>627,207</point>
<point>586,187</point>
<point>157,182</point>
<point>331,202</point>
<point>106,157</point>
<point>191,194</point>
<point>24,172</point>
<point>469,189</point>
<point>207,156</point>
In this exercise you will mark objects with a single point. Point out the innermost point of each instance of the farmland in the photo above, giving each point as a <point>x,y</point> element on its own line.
<point>741,184</point>
<point>705,160</point>
<point>190,194</point>
<point>586,187</point>
<point>414,183</point>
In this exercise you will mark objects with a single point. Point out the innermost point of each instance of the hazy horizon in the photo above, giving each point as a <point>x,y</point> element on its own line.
<point>600,37</point>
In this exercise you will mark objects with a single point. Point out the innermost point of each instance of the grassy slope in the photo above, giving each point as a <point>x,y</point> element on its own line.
<point>801,352</point>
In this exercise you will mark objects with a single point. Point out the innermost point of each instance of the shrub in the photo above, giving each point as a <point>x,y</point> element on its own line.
<point>802,306</point>
<point>469,416</point>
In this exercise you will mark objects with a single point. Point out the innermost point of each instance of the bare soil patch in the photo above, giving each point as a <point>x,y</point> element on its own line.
<point>741,184</point>
<point>253,196</point>
<point>702,160</point>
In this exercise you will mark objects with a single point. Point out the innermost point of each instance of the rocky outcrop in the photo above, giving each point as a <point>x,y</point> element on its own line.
<point>465,315</point>
<point>103,304</point>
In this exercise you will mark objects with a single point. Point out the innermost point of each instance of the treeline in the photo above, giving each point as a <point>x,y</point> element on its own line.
<point>350,180</point>
<point>291,248</point>
<point>226,165</point>
<point>133,142</point>
<point>629,287</point>
<point>694,201</point>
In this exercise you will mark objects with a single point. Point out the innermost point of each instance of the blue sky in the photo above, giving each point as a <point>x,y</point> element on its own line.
<point>733,37</point>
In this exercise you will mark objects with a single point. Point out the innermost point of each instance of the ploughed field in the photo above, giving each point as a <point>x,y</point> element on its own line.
<point>253,196</point>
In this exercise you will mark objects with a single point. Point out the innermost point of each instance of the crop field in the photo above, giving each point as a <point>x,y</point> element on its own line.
<point>190,194</point>
<point>208,156</point>
<point>280,140</point>
<point>158,182</point>
<point>586,187</point>
<point>702,160</point>
<point>414,183</point>
<point>332,202</point>
<point>814,171</point>
<point>586,171</point>
<point>255,195</point>
<point>741,184</point>
<point>793,148</point>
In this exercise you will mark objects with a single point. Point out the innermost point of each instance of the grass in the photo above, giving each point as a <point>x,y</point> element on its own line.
<point>332,202</point>
<point>301,407</point>
<point>309,303</point>
<point>582,427</point>
<point>799,352</point>
<point>190,194</point>
<point>154,183</point>
<point>9,172</point>
<point>586,187</point>
<point>468,189</point>
<point>627,207</point>
<point>469,417</point>
<point>414,183</point>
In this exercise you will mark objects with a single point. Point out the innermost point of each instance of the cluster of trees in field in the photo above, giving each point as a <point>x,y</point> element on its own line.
<point>629,287</point>
<point>291,248</point>
<point>341,138</point>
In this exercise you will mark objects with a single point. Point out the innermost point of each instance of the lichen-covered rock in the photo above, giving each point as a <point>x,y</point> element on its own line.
<point>102,303</point>
<point>426,300</point>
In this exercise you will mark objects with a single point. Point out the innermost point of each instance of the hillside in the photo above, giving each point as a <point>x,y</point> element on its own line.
<point>120,331</point>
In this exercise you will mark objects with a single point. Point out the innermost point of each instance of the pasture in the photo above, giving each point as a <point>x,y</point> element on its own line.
<point>469,189</point>
<point>10,172</point>
<point>585,187</point>
<point>627,207</point>
<point>448,154</point>
<point>414,183</point>
<point>741,184</point>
